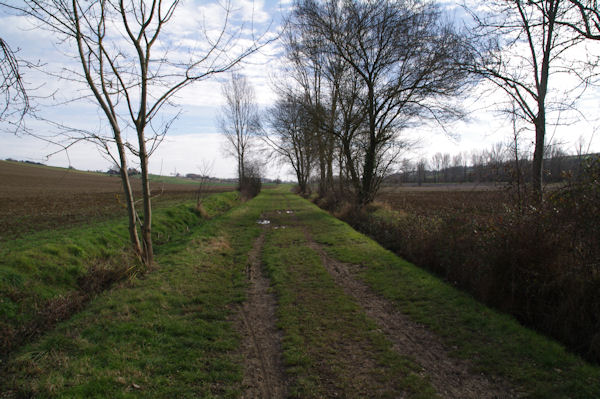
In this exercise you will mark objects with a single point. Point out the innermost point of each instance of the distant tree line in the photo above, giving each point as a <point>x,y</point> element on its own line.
<point>488,166</point>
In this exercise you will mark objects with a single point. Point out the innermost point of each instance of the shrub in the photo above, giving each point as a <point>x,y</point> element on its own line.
<point>250,187</point>
<point>250,184</point>
<point>540,263</point>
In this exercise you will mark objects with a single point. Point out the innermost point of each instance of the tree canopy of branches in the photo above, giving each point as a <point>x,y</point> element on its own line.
<point>291,137</point>
<point>584,18</point>
<point>15,101</point>
<point>239,120</point>
<point>307,66</point>
<point>385,65</point>
<point>132,72</point>
<point>527,49</point>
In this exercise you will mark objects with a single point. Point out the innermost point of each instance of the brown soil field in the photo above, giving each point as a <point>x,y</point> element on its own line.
<point>467,199</point>
<point>35,197</point>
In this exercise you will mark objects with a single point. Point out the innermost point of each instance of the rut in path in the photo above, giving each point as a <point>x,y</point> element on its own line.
<point>450,377</point>
<point>264,375</point>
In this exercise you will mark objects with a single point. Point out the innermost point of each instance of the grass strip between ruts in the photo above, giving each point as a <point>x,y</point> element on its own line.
<point>330,348</point>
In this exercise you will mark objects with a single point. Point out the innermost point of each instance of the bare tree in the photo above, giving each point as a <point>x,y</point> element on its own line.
<point>132,74</point>
<point>527,48</point>
<point>404,58</point>
<point>446,166</point>
<point>406,170</point>
<point>290,137</point>
<point>205,170</point>
<point>465,165</point>
<point>239,120</point>
<point>252,183</point>
<point>436,164</point>
<point>582,149</point>
<point>348,126</point>
<point>15,101</point>
<point>311,70</point>
<point>457,168</point>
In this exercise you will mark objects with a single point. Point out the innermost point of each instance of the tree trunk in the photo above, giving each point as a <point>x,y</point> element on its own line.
<point>540,120</point>
<point>365,196</point>
<point>301,182</point>
<point>330,172</point>
<point>350,167</point>
<point>131,212</point>
<point>537,166</point>
<point>148,254</point>
<point>322,170</point>
<point>366,191</point>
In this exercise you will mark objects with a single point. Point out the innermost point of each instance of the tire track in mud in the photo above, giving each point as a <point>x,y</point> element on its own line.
<point>264,374</point>
<point>450,377</point>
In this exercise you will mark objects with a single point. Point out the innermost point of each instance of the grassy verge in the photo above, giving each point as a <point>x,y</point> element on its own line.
<point>496,343</point>
<point>46,276</point>
<point>166,335</point>
<point>330,348</point>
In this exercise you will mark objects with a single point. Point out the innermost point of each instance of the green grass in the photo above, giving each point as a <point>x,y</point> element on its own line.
<point>48,265</point>
<point>495,343</point>
<point>184,180</point>
<point>169,333</point>
<point>330,347</point>
<point>165,335</point>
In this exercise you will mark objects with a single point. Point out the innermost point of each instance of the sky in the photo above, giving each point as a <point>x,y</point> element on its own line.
<point>193,143</point>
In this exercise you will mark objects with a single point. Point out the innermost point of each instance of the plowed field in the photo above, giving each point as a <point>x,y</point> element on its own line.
<point>34,197</point>
<point>467,199</point>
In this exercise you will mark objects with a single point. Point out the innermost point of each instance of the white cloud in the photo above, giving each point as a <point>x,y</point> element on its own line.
<point>83,156</point>
<point>194,136</point>
<point>251,10</point>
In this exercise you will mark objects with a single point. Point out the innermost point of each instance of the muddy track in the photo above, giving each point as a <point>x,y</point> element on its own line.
<point>450,377</point>
<point>264,375</point>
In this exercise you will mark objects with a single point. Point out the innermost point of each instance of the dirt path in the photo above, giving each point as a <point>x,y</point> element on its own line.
<point>264,375</point>
<point>450,377</point>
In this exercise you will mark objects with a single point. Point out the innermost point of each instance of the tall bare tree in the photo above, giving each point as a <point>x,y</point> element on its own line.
<point>405,60</point>
<point>307,66</point>
<point>528,48</point>
<point>132,73</point>
<point>239,120</point>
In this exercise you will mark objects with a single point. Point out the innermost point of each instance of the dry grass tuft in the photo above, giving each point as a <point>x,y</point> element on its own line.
<point>201,211</point>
